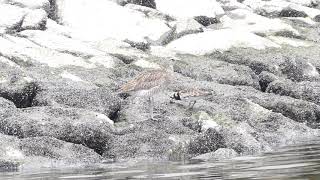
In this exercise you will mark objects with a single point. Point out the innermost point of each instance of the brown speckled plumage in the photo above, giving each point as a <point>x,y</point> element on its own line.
<point>147,81</point>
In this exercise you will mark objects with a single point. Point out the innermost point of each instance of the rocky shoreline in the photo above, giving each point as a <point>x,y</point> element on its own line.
<point>63,61</point>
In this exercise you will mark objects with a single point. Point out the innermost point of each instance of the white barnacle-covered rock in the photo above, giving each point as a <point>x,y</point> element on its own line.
<point>32,4</point>
<point>146,64</point>
<point>98,19</point>
<point>184,26</point>
<point>60,43</point>
<point>11,17</point>
<point>190,8</point>
<point>106,61</point>
<point>219,40</point>
<point>248,21</point>
<point>35,19</point>
<point>70,76</point>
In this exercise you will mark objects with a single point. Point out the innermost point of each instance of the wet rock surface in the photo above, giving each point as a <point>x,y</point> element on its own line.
<point>60,79</point>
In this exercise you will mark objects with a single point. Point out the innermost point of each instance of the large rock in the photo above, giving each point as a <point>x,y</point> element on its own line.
<point>26,53</point>
<point>246,20</point>
<point>61,43</point>
<point>56,150</point>
<point>99,100</point>
<point>11,157</point>
<point>146,3</point>
<point>69,124</point>
<point>186,26</point>
<point>218,40</point>
<point>190,8</point>
<point>20,91</point>
<point>308,91</point>
<point>91,21</point>
<point>14,17</point>
<point>274,8</point>
<point>204,69</point>
<point>42,152</point>
<point>220,154</point>
<point>34,4</point>
<point>36,19</point>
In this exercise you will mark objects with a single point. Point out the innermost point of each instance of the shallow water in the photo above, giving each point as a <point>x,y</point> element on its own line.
<point>300,161</point>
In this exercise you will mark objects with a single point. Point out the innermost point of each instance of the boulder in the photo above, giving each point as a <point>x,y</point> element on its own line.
<point>35,4</point>
<point>292,13</point>
<point>209,141</point>
<point>220,154</point>
<point>14,17</point>
<point>305,90</point>
<point>150,12</point>
<point>204,69</point>
<point>11,157</point>
<point>100,100</point>
<point>19,90</point>
<point>146,3</point>
<point>91,21</point>
<point>61,43</point>
<point>190,8</point>
<point>227,39</point>
<point>299,69</point>
<point>206,21</point>
<point>248,21</point>
<point>186,26</point>
<point>78,126</point>
<point>56,150</point>
<point>265,78</point>
<point>36,19</point>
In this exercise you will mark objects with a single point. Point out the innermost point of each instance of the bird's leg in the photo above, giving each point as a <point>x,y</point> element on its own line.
<point>191,104</point>
<point>151,101</point>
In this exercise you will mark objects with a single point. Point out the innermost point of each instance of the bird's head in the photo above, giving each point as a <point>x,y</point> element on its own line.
<point>176,96</point>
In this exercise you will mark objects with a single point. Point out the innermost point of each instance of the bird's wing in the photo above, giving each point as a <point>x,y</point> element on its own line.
<point>145,81</point>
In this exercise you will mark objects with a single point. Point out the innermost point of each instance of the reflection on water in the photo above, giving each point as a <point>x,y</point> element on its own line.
<point>295,162</point>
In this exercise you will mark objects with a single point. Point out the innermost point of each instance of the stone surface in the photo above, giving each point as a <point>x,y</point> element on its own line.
<point>90,16</point>
<point>62,64</point>
<point>189,8</point>
<point>36,19</point>
<point>78,126</point>
<point>219,154</point>
<point>14,17</point>
<point>227,39</point>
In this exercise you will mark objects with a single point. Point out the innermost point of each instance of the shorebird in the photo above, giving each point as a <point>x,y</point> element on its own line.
<point>192,95</point>
<point>149,83</point>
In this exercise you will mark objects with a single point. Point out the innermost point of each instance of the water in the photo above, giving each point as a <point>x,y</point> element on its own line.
<point>300,161</point>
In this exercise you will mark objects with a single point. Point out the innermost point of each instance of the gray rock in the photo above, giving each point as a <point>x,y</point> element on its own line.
<point>58,150</point>
<point>186,26</point>
<point>209,141</point>
<point>308,91</point>
<point>288,12</point>
<point>206,21</point>
<point>265,78</point>
<point>21,93</point>
<point>36,19</point>
<point>10,155</point>
<point>217,71</point>
<point>146,3</point>
<point>299,69</point>
<point>38,4</point>
<point>150,12</point>
<point>220,154</point>
<point>100,100</point>
<point>14,18</point>
<point>78,126</point>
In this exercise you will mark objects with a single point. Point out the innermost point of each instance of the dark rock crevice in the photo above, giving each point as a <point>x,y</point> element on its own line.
<point>21,98</point>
